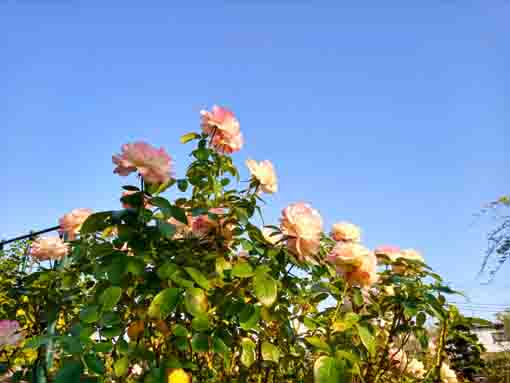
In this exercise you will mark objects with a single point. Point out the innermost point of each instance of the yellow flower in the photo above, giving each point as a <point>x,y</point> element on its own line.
<point>179,376</point>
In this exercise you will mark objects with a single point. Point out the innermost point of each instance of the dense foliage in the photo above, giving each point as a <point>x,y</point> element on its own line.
<point>182,284</point>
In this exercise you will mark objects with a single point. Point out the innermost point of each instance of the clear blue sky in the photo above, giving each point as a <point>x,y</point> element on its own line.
<point>393,115</point>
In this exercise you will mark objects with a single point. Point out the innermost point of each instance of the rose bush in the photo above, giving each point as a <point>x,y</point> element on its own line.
<point>193,288</point>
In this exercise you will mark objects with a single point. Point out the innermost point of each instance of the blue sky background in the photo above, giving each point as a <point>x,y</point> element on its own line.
<point>393,115</point>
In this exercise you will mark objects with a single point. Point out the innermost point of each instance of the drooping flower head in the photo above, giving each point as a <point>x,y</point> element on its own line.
<point>154,165</point>
<point>224,128</point>
<point>303,225</point>
<point>346,231</point>
<point>47,248</point>
<point>70,223</point>
<point>264,173</point>
<point>10,333</point>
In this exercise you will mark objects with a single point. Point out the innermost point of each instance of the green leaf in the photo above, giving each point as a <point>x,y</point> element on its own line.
<point>270,352</point>
<point>219,346</point>
<point>189,137</point>
<point>164,303</point>
<point>201,154</point>
<point>160,202</point>
<point>249,317</point>
<point>69,373</point>
<point>89,314</point>
<point>248,353</point>
<point>317,342</point>
<point>121,366</point>
<point>195,301</point>
<point>179,330</point>
<point>179,214</point>
<point>266,289</point>
<point>104,347</point>
<point>357,297</point>
<point>96,222</point>
<point>200,343</point>
<point>94,364</point>
<point>328,370</point>
<point>198,277</point>
<point>367,339</point>
<point>167,270</point>
<point>242,270</point>
<point>200,322</point>
<point>182,185</point>
<point>110,297</point>
<point>166,229</point>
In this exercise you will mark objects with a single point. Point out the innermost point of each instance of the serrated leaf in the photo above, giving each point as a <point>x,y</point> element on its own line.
<point>198,277</point>
<point>110,297</point>
<point>367,339</point>
<point>242,270</point>
<point>164,303</point>
<point>328,370</point>
<point>270,352</point>
<point>248,352</point>
<point>266,289</point>
<point>70,372</point>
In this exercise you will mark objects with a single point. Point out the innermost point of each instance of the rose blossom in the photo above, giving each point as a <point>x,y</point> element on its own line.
<point>47,248</point>
<point>366,274</point>
<point>263,172</point>
<point>10,333</point>
<point>224,129</point>
<point>447,374</point>
<point>416,368</point>
<point>70,223</point>
<point>348,256</point>
<point>154,165</point>
<point>345,231</point>
<point>304,225</point>
<point>391,252</point>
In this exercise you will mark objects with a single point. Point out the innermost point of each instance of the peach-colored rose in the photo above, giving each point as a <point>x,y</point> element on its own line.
<point>154,165</point>
<point>391,252</point>
<point>70,223</point>
<point>47,248</point>
<point>348,256</point>
<point>303,225</point>
<point>10,333</point>
<point>447,374</point>
<point>203,225</point>
<point>345,231</point>
<point>416,368</point>
<point>271,236</point>
<point>224,129</point>
<point>365,275</point>
<point>264,173</point>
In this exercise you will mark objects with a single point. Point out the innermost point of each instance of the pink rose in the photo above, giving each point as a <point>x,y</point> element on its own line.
<point>47,248</point>
<point>407,254</point>
<point>345,231</point>
<point>10,333</point>
<point>224,129</point>
<point>203,225</point>
<point>70,223</point>
<point>154,165</point>
<point>264,173</point>
<point>391,252</point>
<point>303,225</point>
